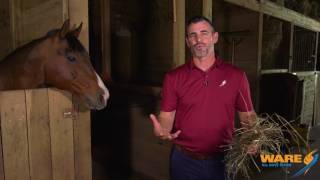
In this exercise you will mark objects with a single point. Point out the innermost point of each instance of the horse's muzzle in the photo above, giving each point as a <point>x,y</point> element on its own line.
<point>97,102</point>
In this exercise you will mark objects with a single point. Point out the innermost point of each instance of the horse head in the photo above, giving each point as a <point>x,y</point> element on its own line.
<point>68,67</point>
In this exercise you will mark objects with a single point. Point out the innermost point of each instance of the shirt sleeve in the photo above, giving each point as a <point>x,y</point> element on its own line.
<point>168,94</point>
<point>243,101</point>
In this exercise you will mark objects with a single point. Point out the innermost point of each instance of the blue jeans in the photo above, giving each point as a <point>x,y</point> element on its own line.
<point>183,167</point>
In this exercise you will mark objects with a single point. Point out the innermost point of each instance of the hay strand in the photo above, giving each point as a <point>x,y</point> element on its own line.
<point>265,132</point>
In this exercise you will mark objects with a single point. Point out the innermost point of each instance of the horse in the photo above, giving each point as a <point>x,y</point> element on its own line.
<point>58,60</point>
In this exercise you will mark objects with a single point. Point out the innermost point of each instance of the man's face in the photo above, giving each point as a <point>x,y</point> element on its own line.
<point>201,39</point>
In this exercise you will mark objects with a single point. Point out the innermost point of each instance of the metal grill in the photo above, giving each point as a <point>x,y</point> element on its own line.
<point>304,50</point>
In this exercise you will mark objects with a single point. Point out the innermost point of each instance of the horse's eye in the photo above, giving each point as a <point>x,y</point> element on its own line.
<point>71,58</point>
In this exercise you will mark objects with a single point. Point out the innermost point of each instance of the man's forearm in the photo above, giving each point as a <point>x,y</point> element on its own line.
<point>166,120</point>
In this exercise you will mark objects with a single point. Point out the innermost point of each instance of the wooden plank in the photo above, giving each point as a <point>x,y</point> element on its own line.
<point>24,18</point>
<point>207,9</point>
<point>39,134</point>
<point>316,52</point>
<point>1,156</point>
<point>14,135</point>
<point>178,32</point>
<point>78,12</point>
<point>277,11</point>
<point>61,131</point>
<point>82,142</point>
<point>259,58</point>
<point>291,47</point>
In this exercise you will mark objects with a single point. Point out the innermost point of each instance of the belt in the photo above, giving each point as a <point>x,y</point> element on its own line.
<point>196,156</point>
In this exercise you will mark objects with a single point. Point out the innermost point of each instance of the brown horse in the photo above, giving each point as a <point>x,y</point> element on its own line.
<point>55,60</point>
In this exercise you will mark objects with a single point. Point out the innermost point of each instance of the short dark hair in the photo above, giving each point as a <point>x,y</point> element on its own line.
<point>196,19</point>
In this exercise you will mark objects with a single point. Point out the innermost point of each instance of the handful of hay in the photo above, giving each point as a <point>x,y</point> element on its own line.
<point>267,134</point>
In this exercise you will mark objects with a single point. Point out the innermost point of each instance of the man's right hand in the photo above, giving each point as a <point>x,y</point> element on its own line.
<point>162,132</point>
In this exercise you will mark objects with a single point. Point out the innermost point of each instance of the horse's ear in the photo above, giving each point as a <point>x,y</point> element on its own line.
<point>77,31</point>
<point>64,29</point>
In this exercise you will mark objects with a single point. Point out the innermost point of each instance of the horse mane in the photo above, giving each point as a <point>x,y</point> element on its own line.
<point>72,40</point>
<point>24,49</point>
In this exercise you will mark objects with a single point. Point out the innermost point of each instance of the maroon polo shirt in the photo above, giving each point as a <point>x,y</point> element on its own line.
<point>205,104</point>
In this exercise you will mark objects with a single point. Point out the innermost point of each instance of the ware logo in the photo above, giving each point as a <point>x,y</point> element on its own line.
<point>287,160</point>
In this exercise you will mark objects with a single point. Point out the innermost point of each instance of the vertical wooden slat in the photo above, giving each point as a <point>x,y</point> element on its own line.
<point>179,33</point>
<point>1,157</point>
<point>24,16</point>
<point>315,55</point>
<point>82,143</point>
<point>78,12</point>
<point>39,134</point>
<point>65,9</point>
<point>14,135</point>
<point>291,47</point>
<point>61,130</point>
<point>207,9</point>
<point>259,58</point>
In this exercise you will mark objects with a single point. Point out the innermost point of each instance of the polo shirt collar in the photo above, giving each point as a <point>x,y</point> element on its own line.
<point>216,64</point>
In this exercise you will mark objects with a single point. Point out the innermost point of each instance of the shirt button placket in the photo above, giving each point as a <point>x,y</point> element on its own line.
<point>206,80</point>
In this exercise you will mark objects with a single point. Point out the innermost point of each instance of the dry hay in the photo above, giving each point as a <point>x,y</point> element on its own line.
<point>268,134</point>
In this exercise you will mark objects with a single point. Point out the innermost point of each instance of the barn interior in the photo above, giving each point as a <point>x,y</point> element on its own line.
<point>132,44</point>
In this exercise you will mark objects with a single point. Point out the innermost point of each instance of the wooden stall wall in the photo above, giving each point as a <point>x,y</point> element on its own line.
<point>33,18</point>
<point>5,38</point>
<point>240,41</point>
<point>43,136</point>
<point>22,21</point>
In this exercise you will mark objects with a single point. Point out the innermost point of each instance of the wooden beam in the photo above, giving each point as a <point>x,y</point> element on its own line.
<point>106,38</point>
<point>279,12</point>
<point>178,32</point>
<point>207,9</point>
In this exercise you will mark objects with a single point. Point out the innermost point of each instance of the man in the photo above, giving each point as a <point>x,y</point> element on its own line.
<point>199,100</point>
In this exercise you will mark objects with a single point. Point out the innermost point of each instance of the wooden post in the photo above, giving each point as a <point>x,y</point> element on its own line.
<point>106,37</point>
<point>316,81</point>
<point>207,9</point>
<point>78,12</point>
<point>316,52</point>
<point>259,57</point>
<point>291,47</point>
<point>178,32</point>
